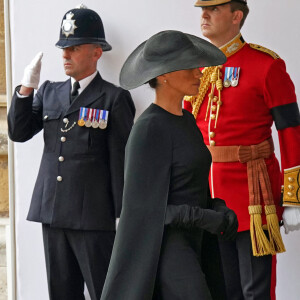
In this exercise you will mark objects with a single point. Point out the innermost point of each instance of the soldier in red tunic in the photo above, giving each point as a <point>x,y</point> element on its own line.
<point>235,108</point>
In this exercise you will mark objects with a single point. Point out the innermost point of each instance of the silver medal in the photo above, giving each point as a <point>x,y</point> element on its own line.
<point>95,124</point>
<point>88,123</point>
<point>227,83</point>
<point>102,124</point>
<point>234,82</point>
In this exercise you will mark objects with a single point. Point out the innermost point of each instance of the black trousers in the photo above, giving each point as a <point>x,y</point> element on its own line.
<point>246,277</point>
<point>74,257</point>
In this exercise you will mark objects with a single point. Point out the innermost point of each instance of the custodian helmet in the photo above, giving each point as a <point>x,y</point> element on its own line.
<point>82,26</point>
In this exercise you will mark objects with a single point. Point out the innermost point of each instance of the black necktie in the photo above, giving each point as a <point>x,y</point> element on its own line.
<point>74,92</point>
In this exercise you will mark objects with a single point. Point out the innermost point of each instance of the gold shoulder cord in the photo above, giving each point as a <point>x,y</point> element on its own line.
<point>265,50</point>
<point>211,76</point>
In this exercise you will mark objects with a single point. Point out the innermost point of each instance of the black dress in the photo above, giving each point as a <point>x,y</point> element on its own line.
<point>166,162</point>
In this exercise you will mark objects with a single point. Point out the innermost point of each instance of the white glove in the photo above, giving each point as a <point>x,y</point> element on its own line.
<point>31,77</point>
<point>117,222</point>
<point>291,218</point>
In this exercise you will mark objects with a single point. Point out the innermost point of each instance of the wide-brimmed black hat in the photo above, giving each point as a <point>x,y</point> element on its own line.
<point>82,26</point>
<point>205,3</point>
<point>165,52</point>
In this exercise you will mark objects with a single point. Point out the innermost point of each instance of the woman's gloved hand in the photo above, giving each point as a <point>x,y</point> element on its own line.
<point>189,217</point>
<point>230,231</point>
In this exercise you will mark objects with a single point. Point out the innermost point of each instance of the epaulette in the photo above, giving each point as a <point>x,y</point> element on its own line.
<point>265,50</point>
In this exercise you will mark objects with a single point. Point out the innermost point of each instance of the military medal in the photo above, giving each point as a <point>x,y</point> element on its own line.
<point>103,119</point>
<point>95,123</point>
<point>235,79</point>
<point>80,121</point>
<point>88,122</point>
<point>227,83</point>
<point>102,124</point>
<point>231,77</point>
<point>227,77</point>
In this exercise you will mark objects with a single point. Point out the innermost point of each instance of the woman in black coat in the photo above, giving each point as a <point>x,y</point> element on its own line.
<point>167,207</point>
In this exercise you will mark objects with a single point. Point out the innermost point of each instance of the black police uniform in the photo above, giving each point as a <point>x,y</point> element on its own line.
<point>78,192</point>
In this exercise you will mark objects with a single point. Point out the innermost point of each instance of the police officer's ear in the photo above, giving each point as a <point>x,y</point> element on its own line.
<point>237,17</point>
<point>97,51</point>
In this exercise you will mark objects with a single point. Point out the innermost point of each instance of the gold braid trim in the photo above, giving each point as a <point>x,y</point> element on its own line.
<point>265,50</point>
<point>205,82</point>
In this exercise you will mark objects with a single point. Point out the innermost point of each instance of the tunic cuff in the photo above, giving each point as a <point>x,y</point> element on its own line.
<point>291,188</point>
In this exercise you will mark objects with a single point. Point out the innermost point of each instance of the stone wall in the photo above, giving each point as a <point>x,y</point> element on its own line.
<point>3,123</point>
<point>2,51</point>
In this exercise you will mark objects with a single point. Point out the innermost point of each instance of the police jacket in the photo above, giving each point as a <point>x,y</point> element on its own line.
<point>80,180</point>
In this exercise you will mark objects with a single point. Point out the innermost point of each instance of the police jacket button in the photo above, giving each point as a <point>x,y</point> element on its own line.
<point>61,158</point>
<point>65,120</point>
<point>45,117</point>
<point>59,178</point>
<point>63,139</point>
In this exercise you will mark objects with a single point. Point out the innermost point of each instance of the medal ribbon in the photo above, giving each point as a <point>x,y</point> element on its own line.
<point>97,115</point>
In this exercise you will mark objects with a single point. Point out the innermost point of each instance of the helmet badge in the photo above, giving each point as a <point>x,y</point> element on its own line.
<point>68,25</point>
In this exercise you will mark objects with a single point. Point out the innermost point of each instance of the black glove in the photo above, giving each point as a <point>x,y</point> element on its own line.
<point>190,217</point>
<point>230,231</point>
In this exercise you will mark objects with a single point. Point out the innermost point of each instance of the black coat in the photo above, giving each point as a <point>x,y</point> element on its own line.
<point>89,196</point>
<point>166,162</point>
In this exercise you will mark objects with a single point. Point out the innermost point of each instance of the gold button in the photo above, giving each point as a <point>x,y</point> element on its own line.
<point>215,99</point>
<point>213,116</point>
<point>213,108</point>
<point>63,139</point>
<point>61,158</point>
<point>59,178</point>
<point>65,120</point>
<point>291,179</point>
<point>290,194</point>
<point>220,103</point>
<point>212,143</point>
<point>212,134</point>
<point>291,187</point>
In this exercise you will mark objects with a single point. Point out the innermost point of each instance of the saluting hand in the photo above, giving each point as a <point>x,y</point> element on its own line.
<point>31,77</point>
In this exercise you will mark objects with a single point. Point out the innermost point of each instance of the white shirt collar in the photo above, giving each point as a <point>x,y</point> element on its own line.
<point>84,82</point>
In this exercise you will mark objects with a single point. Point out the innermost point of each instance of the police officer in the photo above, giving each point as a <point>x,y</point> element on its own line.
<point>235,108</point>
<point>78,191</point>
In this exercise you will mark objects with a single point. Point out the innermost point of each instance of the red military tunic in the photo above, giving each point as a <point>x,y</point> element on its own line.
<point>245,118</point>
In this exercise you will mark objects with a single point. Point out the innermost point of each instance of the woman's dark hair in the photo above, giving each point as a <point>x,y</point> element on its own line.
<point>240,6</point>
<point>153,83</point>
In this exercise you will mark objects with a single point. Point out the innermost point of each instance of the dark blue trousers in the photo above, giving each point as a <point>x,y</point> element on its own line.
<point>74,257</point>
